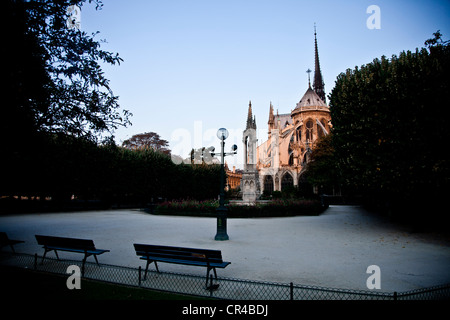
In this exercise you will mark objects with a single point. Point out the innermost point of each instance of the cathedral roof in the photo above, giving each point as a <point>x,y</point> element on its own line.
<point>310,99</point>
<point>285,119</point>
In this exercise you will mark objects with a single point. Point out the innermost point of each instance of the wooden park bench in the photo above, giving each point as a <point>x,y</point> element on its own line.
<point>56,244</point>
<point>211,259</point>
<point>5,241</point>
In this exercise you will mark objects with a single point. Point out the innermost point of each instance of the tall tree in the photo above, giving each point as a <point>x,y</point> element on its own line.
<point>322,171</point>
<point>54,78</point>
<point>26,82</point>
<point>150,140</point>
<point>390,124</point>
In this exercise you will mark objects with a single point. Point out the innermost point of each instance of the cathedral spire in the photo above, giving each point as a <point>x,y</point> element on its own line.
<point>251,121</point>
<point>318,85</point>
<point>271,122</point>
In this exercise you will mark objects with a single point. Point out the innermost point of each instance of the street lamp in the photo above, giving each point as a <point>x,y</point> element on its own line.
<point>221,234</point>
<point>222,134</point>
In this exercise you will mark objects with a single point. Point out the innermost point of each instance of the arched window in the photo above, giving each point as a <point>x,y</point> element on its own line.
<point>286,181</point>
<point>291,159</point>
<point>268,184</point>
<point>309,130</point>
<point>290,151</point>
<point>298,133</point>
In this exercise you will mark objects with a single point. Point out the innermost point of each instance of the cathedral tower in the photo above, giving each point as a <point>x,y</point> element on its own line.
<point>282,159</point>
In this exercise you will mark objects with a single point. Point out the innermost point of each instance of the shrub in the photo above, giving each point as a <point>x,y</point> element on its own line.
<point>276,195</point>
<point>188,207</point>
<point>275,208</point>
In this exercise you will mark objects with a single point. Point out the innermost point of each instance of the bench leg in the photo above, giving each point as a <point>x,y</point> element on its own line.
<point>82,264</point>
<point>207,274</point>
<point>43,257</point>
<point>45,253</point>
<point>146,267</point>
<point>86,255</point>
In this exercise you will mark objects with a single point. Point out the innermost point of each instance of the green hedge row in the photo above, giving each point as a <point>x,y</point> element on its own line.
<point>67,169</point>
<point>275,208</point>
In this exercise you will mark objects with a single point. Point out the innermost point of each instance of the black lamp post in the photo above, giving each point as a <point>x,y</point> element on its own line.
<point>221,234</point>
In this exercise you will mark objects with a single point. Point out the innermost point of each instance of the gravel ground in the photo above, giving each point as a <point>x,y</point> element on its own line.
<point>330,250</point>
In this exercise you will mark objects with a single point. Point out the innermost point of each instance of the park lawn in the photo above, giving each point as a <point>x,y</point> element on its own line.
<point>21,284</point>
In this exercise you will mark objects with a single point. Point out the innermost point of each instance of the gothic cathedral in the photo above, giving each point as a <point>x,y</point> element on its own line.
<point>281,160</point>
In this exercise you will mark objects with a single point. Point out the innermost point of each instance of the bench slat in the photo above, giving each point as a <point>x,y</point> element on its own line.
<point>56,244</point>
<point>154,248</point>
<point>191,254</point>
<point>96,251</point>
<point>187,262</point>
<point>211,259</point>
<point>72,243</point>
<point>184,256</point>
<point>5,241</point>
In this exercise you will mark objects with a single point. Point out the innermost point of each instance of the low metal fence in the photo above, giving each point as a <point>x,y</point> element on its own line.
<point>222,288</point>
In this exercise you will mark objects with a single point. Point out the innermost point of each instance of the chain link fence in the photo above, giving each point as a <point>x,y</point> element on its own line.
<point>222,288</point>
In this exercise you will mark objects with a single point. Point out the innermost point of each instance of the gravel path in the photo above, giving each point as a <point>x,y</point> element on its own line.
<point>330,250</point>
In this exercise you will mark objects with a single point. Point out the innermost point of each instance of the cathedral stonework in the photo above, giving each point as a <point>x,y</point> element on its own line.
<point>280,161</point>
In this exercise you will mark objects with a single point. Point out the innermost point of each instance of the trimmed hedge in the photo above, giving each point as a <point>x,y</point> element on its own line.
<point>62,168</point>
<point>275,208</point>
<point>278,208</point>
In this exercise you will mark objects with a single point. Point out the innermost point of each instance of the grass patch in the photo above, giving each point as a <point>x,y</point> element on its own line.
<point>19,284</point>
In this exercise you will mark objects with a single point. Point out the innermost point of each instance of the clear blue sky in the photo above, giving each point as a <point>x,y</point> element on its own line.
<point>191,67</point>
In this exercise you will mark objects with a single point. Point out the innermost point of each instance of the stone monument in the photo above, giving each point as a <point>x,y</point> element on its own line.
<point>250,180</point>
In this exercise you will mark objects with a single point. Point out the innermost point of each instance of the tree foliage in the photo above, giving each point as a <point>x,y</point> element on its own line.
<point>54,79</point>
<point>322,170</point>
<point>58,102</point>
<point>62,167</point>
<point>390,124</point>
<point>150,140</point>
